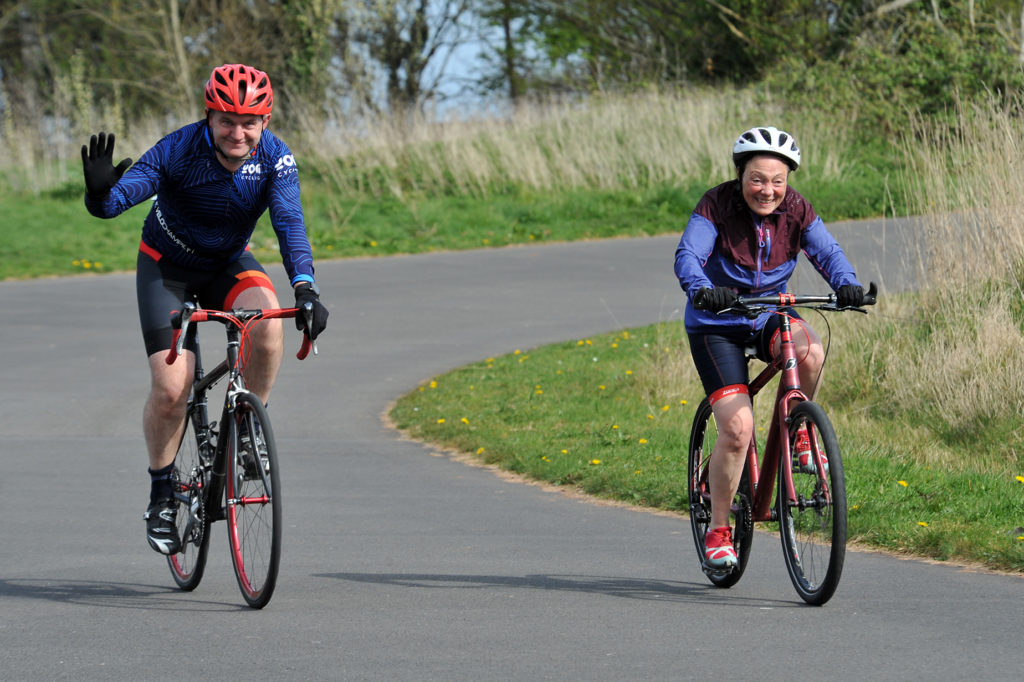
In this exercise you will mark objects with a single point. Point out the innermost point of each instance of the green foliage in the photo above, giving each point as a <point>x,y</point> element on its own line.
<point>907,64</point>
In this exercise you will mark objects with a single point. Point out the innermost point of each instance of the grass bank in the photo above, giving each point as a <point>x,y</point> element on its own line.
<point>610,416</point>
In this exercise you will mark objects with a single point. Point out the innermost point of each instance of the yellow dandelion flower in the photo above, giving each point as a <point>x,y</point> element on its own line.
<point>441,420</point>
<point>601,387</point>
<point>433,384</point>
<point>479,451</point>
<point>464,420</point>
<point>615,427</point>
<point>539,392</point>
<point>664,408</point>
<point>902,483</point>
<point>580,342</point>
<point>595,462</point>
<point>76,262</point>
<point>373,244</point>
<point>650,416</point>
<point>545,458</point>
<point>516,352</point>
<point>682,402</point>
<point>629,372</point>
<point>615,345</point>
<point>589,342</point>
<point>923,524</point>
<point>489,360</point>
<point>856,506</point>
<point>1021,479</point>
<point>636,473</point>
<point>564,451</point>
<point>643,441</point>
<point>625,335</point>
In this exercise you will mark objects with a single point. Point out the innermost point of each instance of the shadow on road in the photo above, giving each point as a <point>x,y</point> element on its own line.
<point>109,595</point>
<point>629,588</point>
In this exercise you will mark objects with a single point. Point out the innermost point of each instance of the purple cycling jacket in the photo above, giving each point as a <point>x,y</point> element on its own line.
<point>726,244</point>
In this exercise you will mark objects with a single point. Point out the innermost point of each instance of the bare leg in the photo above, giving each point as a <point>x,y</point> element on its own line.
<point>810,355</point>
<point>163,416</point>
<point>265,344</point>
<point>735,420</point>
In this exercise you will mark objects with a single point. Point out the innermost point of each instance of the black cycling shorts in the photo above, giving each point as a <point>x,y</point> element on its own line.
<point>721,359</point>
<point>162,288</point>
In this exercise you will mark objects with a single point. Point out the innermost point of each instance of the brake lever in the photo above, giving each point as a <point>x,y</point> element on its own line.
<point>307,315</point>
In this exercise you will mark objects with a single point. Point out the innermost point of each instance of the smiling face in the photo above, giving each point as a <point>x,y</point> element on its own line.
<point>235,136</point>
<point>764,182</point>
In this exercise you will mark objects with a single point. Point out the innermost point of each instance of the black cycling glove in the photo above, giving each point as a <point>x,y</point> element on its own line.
<point>306,292</point>
<point>850,296</point>
<point>714,300</point>
<point>98,164</point>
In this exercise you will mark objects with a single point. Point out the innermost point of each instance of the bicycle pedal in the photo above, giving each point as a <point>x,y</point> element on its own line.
<point>716,572</point>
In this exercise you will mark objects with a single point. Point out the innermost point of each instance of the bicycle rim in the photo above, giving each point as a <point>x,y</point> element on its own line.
<point>812,524</point>
<point>193,525</point>
<point>253,504</point>
<point>702,441</point>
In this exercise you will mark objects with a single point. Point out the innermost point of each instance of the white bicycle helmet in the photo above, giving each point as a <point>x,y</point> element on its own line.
<point>766,140</point>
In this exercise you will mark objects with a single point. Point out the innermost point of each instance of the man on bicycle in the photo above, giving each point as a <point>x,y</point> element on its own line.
<point>210,181</point>
<point>743,238</point>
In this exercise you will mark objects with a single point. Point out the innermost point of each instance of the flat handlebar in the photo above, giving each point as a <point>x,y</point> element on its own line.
<point>180,320</point>
<point>751,305</point>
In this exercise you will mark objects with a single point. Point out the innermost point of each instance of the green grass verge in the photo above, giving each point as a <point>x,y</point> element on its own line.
<point>52,234</point>
<point>610,416</point>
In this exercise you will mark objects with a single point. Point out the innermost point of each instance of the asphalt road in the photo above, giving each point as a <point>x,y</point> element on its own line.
<point>401,563</point>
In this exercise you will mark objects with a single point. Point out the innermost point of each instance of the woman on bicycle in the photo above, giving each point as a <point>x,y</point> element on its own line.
<point>743,238</point>
<point>210,182</point>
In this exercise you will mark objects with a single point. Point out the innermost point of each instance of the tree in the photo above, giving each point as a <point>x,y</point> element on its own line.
<point>403,36</point>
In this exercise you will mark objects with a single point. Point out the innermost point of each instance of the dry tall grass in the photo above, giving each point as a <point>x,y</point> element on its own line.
<point>640,140</point>
<point>606,142</point>
<point>954,355</point>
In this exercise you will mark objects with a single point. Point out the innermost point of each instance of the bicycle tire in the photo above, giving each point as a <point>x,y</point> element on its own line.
<point>813,525</point>
<point>253,504</point>
<point>190,480</point>
<point>703,435</point>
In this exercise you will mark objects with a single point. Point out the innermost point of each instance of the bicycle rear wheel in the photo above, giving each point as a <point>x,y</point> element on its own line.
<point>253,497</point>
<point>813,522</point>
<point>190,484</point>
<point>702,441</point>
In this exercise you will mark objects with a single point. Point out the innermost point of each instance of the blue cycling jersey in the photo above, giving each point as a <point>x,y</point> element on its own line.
<point>203,214</point>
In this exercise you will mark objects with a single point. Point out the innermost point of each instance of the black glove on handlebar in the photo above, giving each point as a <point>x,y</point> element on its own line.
<point>850,296</point>
<point>309,293</point>
<point>98,164</point>
<point>714,300</point>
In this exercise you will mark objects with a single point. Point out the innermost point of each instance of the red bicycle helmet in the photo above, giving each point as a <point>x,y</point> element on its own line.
<point>239,89</point>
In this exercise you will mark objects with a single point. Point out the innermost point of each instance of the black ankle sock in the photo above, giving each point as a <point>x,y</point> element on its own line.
<point>161,488</point>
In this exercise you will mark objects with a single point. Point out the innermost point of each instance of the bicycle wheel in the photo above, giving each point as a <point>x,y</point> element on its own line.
<point>702,441</point>
<point>813,523</point>
<point>190,479</point>
<point>253,497</point>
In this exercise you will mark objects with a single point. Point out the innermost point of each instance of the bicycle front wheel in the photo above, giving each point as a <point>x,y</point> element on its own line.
<point>253,495</point>
<point>812,520</point>
<point>190,485</point>
<point>703,436</point>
